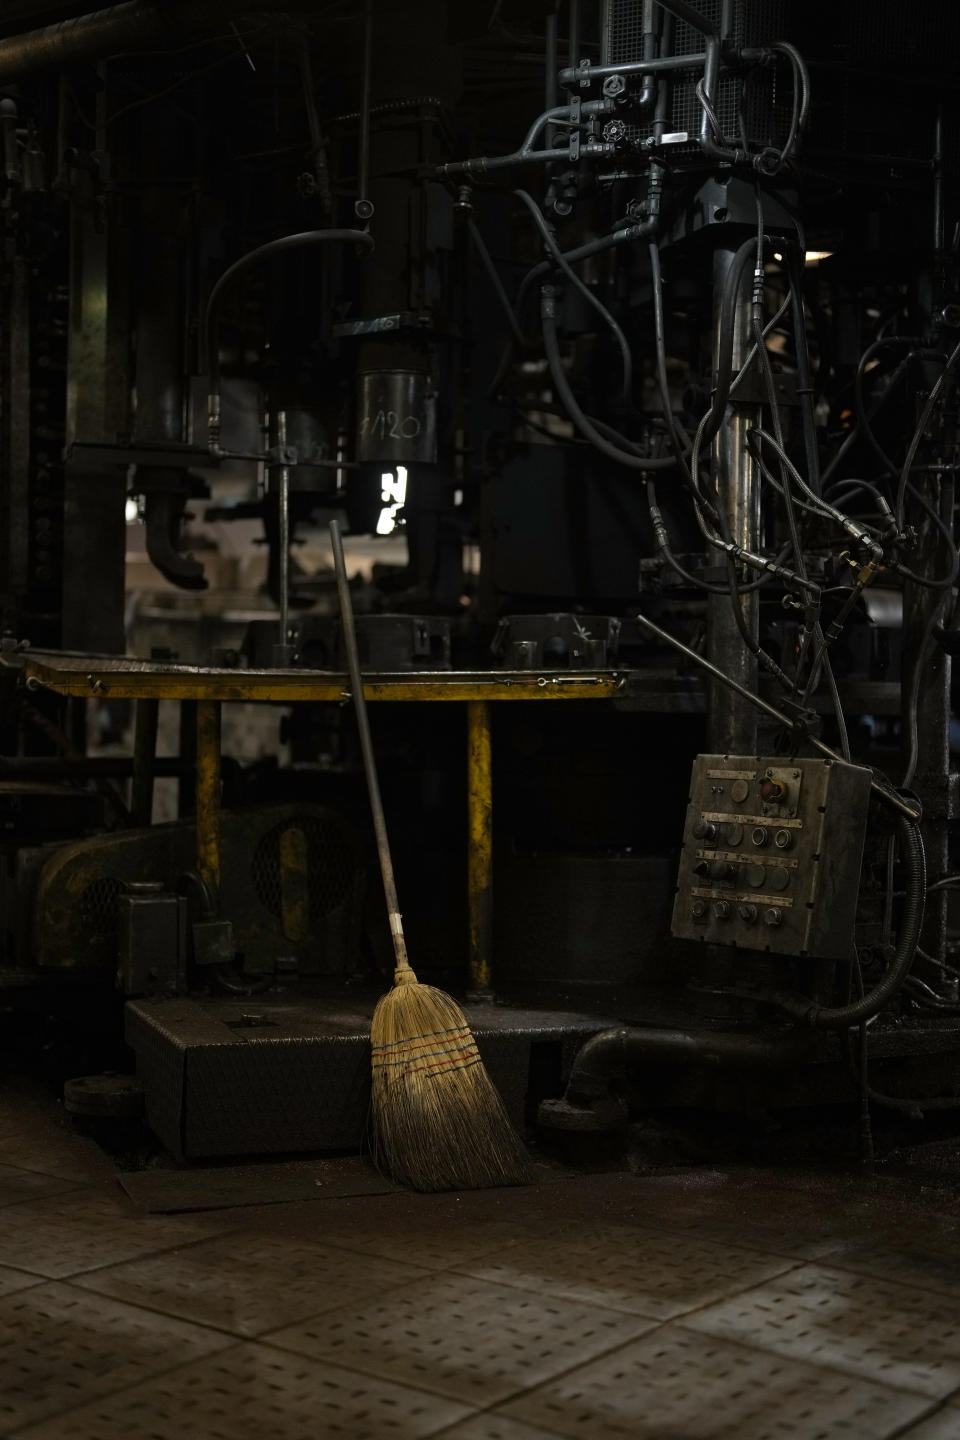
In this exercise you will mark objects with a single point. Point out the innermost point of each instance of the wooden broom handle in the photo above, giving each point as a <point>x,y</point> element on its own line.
<point>366,747</point>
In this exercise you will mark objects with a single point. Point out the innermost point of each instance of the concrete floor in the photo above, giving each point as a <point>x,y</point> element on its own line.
<point>705,1303</point>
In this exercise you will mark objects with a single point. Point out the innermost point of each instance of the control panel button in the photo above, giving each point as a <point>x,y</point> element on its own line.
<point>772,790</point>
<point>698,911</point>
<point>732,832</point>
<point>706,830</point>
<point>779,878</point>
<point>721,909</point>
<point>773,916</point>
<point>759,836</point>
<point>756,876</point>
<point>748,913</point>
<point>739,791</point>
<point>783,839</point>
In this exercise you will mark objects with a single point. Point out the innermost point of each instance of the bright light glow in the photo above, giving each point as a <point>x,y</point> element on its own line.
<point>813,257</point>
<point>132,509</point>
<point>393,493</point>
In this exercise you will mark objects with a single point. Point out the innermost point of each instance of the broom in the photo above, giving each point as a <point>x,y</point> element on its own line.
<point>437,1120</point>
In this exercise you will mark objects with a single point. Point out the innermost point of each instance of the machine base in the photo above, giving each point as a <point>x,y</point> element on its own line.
<point>259,1076</point>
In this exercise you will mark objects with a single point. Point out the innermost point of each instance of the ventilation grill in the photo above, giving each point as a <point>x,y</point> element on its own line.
<point>98,908</point>
<point>330,867</point>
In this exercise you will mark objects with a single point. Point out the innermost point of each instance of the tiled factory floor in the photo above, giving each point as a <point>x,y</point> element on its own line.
<point>703,1303</point>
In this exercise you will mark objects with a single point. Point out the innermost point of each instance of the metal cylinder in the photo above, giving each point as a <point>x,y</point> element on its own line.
<point>396,418</point>
<point>732,721</point>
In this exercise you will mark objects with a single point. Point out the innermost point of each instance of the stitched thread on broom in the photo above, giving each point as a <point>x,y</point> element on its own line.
<point>427,1035</point>
<point>430,1074</point>
<point>459,1050</point>
<point>462,1032</point>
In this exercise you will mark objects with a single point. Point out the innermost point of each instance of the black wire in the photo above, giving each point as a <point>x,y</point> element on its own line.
<point>556,254</point>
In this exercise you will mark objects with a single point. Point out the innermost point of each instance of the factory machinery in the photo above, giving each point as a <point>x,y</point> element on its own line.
<point>640,320</point>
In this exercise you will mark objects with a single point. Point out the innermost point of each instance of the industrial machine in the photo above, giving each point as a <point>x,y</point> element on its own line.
<point>639,322</point>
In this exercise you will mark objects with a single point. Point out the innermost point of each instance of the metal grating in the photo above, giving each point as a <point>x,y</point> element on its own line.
<point>250,1391</point>
<point>892,1333</point>
<point>657,1274</point>
<point>674,1383</point>
<point>250,1283</point>
<point>98,908</point>
<point>60,1348</point>
<point>762,103</point>
<point>466,1339</point>
<point>329,860</point>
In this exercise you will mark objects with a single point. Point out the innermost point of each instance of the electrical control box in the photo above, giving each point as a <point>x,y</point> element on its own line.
<point>772,850</point>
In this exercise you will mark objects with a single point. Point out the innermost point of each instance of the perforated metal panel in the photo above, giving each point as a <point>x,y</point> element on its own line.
<point>330,866</point>
<point>60,1348</point>
<point>656,1273</point>
<point>251,1283</point>
<point>65,1234</point>
<point>676,1383</point>
<point>254,1391</point>
<point>892,1333</point>
<point>464,1338</point>
<point>762,102</point>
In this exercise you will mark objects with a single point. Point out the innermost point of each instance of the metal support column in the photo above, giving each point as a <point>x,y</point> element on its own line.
<point>480,847</point>
<point>731,721</point>
<point>144,757</point>
<point>207,820</point>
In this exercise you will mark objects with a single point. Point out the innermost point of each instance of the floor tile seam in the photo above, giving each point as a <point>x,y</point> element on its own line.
<point>835,1369</point>
<point>137,1384</point>
<point>70,1187</point>
<point>52,1174</point>
<point>185,1244</point>
<point>937,1408</point>
<point>381,1255</point>
<point>788,1269</point>
<point>155,1310</point>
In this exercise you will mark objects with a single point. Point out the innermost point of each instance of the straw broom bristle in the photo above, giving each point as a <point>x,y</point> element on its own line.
<point>438,1121</point>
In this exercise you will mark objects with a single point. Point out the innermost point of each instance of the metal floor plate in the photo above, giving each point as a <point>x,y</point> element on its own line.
<point>469,1340</point>
<point>496,1427</point>
<point>892,1333</point>
<point>60,1348</point>
<point>16,1185</point>
<point>249,1283</point>
<point>83,1229</point>
<point>253,1393</point>
<point>655,1273</point>
<point>438,1247</point>
<point>671,1384</point>
<point>11,1280</point>
<point>944,1425</point>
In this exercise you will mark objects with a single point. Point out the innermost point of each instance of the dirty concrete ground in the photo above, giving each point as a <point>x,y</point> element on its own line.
<point>737,1301</point>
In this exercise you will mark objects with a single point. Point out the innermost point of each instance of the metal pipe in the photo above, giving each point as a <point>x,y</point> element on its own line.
<point>732,725</point>
<point>144,758</point>
<point>480,847</point>
<point>363,209</point>
<point>134,24</point>
<point>881,790</point>
<point>283,544</point>
<point>589,1104</point>
<point>207,819</point>
<point>573,36</point>
<point>572,76</point>
<point>692,17</point>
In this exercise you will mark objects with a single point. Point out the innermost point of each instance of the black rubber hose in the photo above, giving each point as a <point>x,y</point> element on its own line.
<point>569,401</point>
<point>841,1017</point>
<point>613,1052</point>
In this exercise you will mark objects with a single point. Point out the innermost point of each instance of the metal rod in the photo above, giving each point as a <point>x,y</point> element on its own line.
<point>480,847</point>
<point>207,819</point>
<point>573,37</point>
<point>731,725</point>
<point>366,749</point>
<point>144,759</point>
<point>572,76</point>
<point>693,18</point>
<point>361,208</point>
<point>887,795</point>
